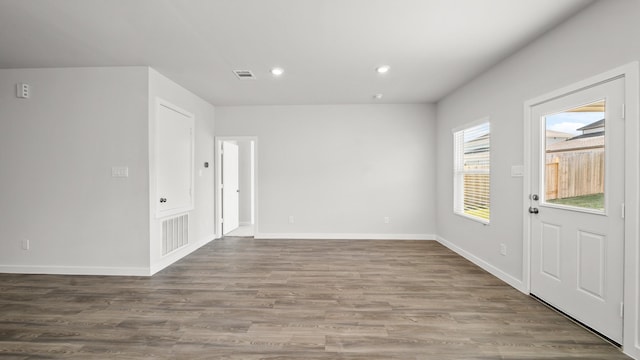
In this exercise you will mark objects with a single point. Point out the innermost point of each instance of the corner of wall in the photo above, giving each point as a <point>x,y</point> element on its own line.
<point>201,217</point>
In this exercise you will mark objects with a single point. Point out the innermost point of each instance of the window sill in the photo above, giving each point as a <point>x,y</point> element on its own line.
<point>474,218</point>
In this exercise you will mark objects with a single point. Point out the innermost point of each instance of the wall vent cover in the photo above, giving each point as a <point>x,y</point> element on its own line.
<point>175,233</point>
<point>244,74</point>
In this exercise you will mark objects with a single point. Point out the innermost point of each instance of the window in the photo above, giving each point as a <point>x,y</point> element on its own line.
<point>471,171</point>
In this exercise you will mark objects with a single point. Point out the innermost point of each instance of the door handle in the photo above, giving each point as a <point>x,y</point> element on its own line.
<point>533,210</point>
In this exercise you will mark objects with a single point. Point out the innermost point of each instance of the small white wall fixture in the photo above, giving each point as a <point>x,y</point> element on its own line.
<point>630,73</point>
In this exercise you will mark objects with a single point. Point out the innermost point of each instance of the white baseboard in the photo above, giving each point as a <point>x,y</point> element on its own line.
<point>179,254</point>
<point>106,270</point>
<point>634,353</point>
<point>516,283</point>
<point>347,236</point>
<point>244,223</point>
<point>75,270</point>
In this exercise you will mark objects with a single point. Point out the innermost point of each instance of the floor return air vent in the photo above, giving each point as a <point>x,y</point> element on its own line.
<point>175,233</point>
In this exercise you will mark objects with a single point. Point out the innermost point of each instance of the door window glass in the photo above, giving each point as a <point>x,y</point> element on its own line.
<point>574,170</point>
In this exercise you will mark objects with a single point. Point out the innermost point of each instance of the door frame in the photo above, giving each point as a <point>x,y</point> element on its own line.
<point>218,180</point>
<point>630,72</point>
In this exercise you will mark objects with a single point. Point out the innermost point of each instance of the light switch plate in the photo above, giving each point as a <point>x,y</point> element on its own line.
<point>120,171</point>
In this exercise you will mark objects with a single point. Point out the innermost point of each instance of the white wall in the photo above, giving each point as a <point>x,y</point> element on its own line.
<point>244,180</point>
<point>201,218</point>
<point>602,37</point>
<point>56,153</point>
<point>57,149</point>
<point>340,169</point>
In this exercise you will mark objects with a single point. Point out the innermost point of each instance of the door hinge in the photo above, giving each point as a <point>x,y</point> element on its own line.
<point>624,111</point>
<point>221,220</point>
<point>622,209</point>
<point>621,309</point>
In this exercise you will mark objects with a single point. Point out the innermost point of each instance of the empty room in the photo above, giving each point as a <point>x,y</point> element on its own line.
<point>319,179</point>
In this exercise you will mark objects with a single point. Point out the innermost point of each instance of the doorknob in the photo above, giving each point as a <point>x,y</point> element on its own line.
<point>533,210</point>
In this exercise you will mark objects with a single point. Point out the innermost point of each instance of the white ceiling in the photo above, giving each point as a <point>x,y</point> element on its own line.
<point>328,48</point>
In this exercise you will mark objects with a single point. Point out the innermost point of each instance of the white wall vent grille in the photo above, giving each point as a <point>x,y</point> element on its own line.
<point>175,233</point>
<point>244,74</point>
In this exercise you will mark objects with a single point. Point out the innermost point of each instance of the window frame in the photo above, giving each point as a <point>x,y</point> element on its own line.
<point>458,174</point>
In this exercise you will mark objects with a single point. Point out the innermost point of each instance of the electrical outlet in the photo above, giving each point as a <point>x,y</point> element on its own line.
<point>291,220</point>
<point>120,171</point>
<point>503,249</point>
<point>25,244</point>
<point>386,220</point>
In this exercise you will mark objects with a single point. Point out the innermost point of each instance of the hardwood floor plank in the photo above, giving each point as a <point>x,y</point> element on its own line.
<point>240,298</point>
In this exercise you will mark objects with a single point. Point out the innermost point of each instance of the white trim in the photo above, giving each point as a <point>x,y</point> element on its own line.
<point>218,181</point>
<point>344,236</point>
<point>75,270</point>
<point>632,191</point>
<point>107,270</point>
<point>630,72</point>
<point>474,218</point>
<point>480,121</point>
<point>514,282</point>
<point>244,223</point>
<point>217,187</point>
<point>178,254</point>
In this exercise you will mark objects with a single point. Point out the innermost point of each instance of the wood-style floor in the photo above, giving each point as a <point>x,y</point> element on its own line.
<point>275,299</point>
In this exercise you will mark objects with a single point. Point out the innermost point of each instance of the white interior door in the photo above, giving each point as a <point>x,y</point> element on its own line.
<point>230,198</point>
<point>174,160</point>
<point>577,210</point>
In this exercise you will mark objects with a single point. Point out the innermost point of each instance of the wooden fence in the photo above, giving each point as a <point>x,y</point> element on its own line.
<point>574,173</point>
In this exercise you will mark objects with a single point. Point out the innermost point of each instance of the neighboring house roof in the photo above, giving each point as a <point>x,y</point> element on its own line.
<point>557,134</point>
<point>593,125</point>
<point>578,143</point>
<point>597,133</point>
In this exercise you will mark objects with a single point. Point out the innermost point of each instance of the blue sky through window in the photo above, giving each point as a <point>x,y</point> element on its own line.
<point>569,122</point>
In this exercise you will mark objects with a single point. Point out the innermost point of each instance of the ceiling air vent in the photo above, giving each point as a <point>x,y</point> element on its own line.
<point>244,74</point>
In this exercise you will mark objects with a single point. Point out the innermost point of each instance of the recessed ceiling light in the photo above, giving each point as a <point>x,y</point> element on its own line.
<point>383,69</point>
<point>276,71</point>
<point>377,96</point>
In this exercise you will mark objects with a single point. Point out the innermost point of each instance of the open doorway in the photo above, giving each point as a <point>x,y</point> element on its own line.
<point>236,184</point>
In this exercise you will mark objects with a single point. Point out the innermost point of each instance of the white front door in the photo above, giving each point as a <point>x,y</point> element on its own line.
<point>576,206</point>
<point>230,198</point>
